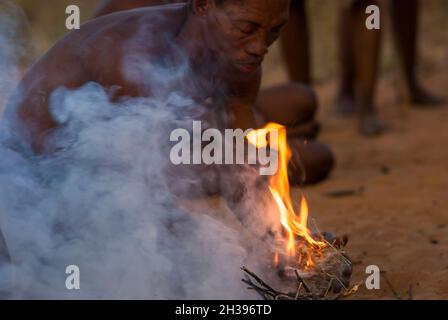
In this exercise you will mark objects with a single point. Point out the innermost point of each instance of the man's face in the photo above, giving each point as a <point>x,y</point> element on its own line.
<point>240,32</point>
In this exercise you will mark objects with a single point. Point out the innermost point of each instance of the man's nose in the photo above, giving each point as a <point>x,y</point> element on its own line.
<point>257,48</point>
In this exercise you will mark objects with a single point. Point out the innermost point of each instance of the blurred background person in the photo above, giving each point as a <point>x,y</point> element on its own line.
<point>359,56</point>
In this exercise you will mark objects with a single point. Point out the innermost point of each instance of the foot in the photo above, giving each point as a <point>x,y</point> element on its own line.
<point>371,125</point>
<point>422,98</point>
<point>311,162</point>
<point>345,105</point>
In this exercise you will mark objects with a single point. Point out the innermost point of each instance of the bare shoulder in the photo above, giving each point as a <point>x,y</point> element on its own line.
<point>107,39</point>
<point>126,23</point>
<point>110,6</point>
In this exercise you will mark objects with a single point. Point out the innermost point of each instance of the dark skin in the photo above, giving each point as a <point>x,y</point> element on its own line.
<point>359,61</point>
<point>405,23</point>
<point>295,41</point>
<point>359,54</point>
<point>296,110</point>
<point>91,55</point>
<point>96,60</point>
<point>232,39</point>
<point>359,72</point>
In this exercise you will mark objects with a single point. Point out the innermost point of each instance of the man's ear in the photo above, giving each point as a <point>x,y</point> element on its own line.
<point>201,7</point>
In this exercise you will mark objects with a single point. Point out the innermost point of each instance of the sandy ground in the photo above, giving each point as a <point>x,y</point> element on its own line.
<point>400,221</point>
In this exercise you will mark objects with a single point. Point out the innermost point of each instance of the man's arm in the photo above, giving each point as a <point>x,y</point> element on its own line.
<point>246,192</point>
<point>240,102</point>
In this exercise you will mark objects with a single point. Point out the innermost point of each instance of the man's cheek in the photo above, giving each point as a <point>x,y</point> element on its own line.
<point>238,49</point>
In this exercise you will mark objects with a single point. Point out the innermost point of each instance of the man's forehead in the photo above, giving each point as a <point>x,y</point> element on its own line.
<point>260,11</point>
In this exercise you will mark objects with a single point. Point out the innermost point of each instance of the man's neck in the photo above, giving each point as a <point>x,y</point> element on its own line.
<point>189,48</point>
<point>192,41</point>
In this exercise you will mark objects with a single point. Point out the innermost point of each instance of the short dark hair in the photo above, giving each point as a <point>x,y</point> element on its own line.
<point>218,2</point>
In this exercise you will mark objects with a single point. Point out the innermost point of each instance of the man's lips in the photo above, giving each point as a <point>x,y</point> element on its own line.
<point>248,67</point>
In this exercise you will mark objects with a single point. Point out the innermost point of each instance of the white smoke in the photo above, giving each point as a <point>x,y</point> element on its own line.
<point>15,46</point>
<point>105,201</point>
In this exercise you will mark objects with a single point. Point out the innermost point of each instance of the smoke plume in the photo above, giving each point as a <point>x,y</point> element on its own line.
<point>104,202</point>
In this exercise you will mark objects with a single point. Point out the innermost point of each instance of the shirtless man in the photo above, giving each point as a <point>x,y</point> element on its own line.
<point>230,36</point>
<point>297,113</point>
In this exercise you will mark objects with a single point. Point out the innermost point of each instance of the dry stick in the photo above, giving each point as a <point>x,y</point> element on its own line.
<point>344,193</point>
<point>263,292</point>
<point>340,282</point>
<point>268,293</point>
<point>332,277</point>
<point>328,289</point>
<point>329,244</point>
<point>347,261</point>
<point>347,293</point>
<point>317,229</point>
<point>298,291</point>
<point>300,280</point>
<point>259,290</point>
<point>253,275</point>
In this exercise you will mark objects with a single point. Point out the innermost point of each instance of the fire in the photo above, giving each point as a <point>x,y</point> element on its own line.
<point>276,259</point>
<point>295,224</point>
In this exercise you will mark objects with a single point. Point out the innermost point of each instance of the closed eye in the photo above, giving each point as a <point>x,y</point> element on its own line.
<point>247,27</point>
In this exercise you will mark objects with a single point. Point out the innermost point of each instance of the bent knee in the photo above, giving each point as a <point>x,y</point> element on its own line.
<point>288,104</point>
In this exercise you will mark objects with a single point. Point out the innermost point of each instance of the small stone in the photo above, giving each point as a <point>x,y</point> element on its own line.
<point>385,170</point>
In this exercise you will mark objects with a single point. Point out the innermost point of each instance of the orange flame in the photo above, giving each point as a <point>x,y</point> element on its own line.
<point>276,260</point>
<point>294,224</point>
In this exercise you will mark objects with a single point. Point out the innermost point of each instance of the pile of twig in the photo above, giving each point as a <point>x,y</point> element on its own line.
<point>328,280</point>
<point>303,292</point>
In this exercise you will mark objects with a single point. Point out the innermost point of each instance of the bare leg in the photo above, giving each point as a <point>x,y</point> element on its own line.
<point>295,43</point>
<point>405,25</point>
<point>294,106</point>
<point>345,101</point>
<point>364,53</point>
<point>311,162</point>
